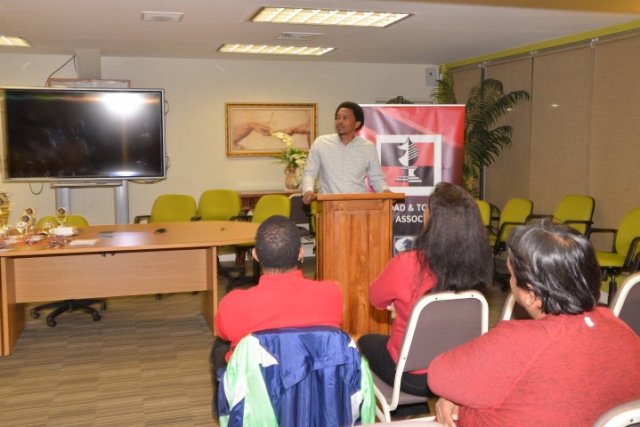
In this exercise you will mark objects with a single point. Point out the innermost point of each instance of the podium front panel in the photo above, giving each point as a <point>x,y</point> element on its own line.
<point>353,247</point>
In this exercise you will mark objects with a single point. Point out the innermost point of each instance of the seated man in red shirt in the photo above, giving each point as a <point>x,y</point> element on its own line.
<point>283,297</point>
<point>567,366</point>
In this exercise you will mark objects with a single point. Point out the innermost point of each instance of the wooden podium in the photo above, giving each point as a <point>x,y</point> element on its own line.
<point>354,236</point>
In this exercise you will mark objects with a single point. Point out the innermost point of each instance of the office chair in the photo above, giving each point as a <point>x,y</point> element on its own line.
<point>575,210</point>
<point>624,256</point>
<point>67,305</point>
<point>464,315</point>
<point>289,377</point>
<point>626,302</point>
<point>170,208</point>
<point>267,206</point>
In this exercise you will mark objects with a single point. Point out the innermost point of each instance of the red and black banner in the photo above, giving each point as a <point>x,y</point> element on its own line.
<point>418,146</point>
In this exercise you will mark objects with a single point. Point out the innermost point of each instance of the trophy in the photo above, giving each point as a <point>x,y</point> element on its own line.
<point>4,214</point>
<point>61,217</point>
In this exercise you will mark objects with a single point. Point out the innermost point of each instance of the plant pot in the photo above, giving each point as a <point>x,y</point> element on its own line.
<point>291,179</point>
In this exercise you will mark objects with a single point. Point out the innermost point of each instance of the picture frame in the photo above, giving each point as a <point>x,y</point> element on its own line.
<point>255,129</point>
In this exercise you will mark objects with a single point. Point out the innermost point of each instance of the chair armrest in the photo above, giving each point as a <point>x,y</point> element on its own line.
<point>632,254</point>
<point>141,219</point>
<point>587,224</point>
<point>538,216</point>
<point>611,231</point>
<point>604,230</point>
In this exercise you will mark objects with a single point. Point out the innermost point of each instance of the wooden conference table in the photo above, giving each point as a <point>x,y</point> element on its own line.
<point>124,260</point>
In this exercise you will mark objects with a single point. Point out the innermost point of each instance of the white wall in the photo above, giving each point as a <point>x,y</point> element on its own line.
<point>197,91</point>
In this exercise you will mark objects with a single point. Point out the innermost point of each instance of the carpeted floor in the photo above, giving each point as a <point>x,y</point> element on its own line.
<point>146,363</point>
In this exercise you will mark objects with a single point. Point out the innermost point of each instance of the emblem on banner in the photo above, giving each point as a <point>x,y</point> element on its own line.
<point>412,162</point>
<point>408,161</point>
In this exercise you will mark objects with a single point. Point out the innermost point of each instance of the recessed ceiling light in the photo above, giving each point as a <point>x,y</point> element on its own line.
<point>13,41</point>
<point>274,49</point>
<point>162,16</point>
<point>327,17</point>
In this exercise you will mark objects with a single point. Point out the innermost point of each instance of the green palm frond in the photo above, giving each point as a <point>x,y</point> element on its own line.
<point>486,105</point>
<point>443,92</point>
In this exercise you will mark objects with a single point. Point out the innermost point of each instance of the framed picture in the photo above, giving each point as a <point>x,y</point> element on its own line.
<point>265,129</point>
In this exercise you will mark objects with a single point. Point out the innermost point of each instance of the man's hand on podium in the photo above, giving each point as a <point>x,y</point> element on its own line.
<point>308,197</point>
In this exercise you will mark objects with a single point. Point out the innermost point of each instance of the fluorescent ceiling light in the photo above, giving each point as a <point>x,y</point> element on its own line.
<point>13,41</point>
<point>327,17</point>
<point>274,49</point>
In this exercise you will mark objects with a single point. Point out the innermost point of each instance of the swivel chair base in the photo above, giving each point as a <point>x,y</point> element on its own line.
<point>69,306</point>
<point>241,279</point>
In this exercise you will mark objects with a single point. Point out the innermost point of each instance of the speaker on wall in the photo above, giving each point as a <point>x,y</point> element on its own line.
<point>88,62</point>
<point>431,75</point>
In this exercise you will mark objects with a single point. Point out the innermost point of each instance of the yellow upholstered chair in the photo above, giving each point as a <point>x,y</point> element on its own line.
<point>60,307</point>
<point>515,212</point>
<point>219,205</point>
<point>267,206</point>
<point>624,256</point>
<point>485,212</point>
<point>170,208</point>
<point>575,210</point>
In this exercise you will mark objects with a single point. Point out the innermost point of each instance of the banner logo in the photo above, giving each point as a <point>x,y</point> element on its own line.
<point>412,164</point>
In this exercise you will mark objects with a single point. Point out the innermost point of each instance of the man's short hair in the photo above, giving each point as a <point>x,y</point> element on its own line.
<point>357,112</point>
<point>558,263</point>
<point>278,244</point>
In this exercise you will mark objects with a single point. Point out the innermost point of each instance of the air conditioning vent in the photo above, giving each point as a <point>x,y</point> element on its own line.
<point>162,16</point>
<point>298,36</point>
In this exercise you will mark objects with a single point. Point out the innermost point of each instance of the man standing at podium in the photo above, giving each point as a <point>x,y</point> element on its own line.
<point>342,159</point>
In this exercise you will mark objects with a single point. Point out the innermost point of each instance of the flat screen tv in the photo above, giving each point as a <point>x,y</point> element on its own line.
<point>55,134</point>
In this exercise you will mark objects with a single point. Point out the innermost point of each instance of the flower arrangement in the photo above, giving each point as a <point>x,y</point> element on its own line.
<point>291,156</point>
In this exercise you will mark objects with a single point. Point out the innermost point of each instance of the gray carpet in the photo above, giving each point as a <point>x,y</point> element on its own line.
<point>144,364</point>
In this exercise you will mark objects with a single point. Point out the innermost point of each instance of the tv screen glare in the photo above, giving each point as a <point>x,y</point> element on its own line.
<point>54,134</point>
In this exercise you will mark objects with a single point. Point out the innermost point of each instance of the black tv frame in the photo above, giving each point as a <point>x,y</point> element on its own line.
<point>158,173</point>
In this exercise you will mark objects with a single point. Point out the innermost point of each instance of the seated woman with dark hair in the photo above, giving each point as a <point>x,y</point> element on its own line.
<point>451,254</point>
<point>567,366</point>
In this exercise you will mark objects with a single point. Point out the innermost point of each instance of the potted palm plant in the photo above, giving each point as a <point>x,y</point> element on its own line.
<point>483,141</point>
